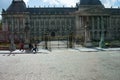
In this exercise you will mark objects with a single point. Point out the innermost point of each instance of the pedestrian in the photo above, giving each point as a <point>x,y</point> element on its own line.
<point>12,47</point>
<point>21,46</point>
<point>30,46</point>
<point>34,48</point>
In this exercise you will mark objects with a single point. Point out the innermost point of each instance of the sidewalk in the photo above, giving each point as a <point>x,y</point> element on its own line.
<point>23,52</point>
<point>82,49</point>
<point>96,49</point>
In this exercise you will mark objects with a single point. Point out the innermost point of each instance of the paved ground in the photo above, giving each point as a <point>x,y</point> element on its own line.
<point>66,64</point>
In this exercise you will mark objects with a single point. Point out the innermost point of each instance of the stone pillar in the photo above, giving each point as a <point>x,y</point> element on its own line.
<point>27,33</point>
<point>87,42</point>
<point>102,27</point>
<point>77,26</point>
<point>109,28</point>
<point>81,26</point>
<point>93,27</point>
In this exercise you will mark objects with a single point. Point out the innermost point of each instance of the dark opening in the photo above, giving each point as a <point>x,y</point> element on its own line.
<point>53,34</point>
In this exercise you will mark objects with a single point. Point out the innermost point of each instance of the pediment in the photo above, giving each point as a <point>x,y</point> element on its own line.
<point>93,11</point>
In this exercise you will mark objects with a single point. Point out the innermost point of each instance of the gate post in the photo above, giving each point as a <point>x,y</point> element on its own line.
<point>46,41</point>
<point>71,40</point>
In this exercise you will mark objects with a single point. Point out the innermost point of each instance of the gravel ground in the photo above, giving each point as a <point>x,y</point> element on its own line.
<point>61,65</point>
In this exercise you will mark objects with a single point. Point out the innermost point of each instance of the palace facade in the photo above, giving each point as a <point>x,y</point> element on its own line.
<point>89,19</point>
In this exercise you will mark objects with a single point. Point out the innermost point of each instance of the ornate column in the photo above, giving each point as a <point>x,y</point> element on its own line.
<point>27,31</point>
<point>93,26</point>
<point>77,26</point>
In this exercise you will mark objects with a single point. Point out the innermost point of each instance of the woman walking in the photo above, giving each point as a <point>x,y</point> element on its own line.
<point>21,46</point>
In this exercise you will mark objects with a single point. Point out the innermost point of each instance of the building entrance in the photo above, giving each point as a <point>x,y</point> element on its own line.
<point>53,34</point>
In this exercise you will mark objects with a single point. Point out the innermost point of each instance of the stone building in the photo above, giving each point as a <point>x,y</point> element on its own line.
<point>89,20</point>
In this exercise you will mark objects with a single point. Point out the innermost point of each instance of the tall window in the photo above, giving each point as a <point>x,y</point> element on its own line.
<point>105,22</point>
<point>95,22</point>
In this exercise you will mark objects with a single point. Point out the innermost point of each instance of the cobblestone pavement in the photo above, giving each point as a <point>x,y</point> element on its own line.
<point>61,65</point>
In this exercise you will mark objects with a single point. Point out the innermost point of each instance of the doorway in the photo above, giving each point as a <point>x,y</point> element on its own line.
<point>52,34</point>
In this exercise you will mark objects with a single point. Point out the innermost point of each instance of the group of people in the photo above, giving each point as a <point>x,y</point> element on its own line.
<point>32,47</point>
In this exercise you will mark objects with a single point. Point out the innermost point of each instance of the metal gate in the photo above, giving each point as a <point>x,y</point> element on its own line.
<point>52,42</point>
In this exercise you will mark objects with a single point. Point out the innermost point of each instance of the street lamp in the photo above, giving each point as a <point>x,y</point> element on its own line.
<point>102,42</point>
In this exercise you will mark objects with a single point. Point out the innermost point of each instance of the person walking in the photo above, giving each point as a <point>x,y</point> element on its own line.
<point>30,47</point>
<point>34,48</point>
<point>12,47</point>
<point>21,46</point>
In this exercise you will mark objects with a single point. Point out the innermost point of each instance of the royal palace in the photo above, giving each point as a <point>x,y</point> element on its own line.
<point>89,20</point>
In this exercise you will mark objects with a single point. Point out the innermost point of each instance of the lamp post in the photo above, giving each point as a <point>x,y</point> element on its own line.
<point>102,43</point>
<point>46,41</point>
<point>71,40</point>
